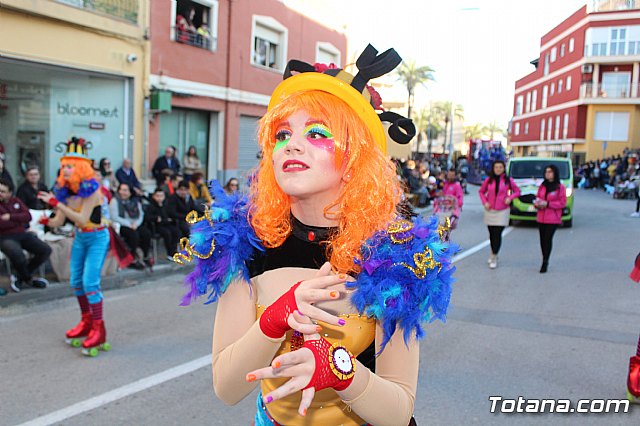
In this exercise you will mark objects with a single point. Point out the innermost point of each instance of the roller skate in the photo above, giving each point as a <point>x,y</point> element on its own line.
<point>633,381</point>
<point>73,336</point>
<point>97,340</point>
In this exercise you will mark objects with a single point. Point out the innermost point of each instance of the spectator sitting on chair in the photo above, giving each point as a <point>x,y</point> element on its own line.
<point>157,219</point>
<point>28,190</point>
<point>125,174</point>
<point>199,191</point>
<point>14,238</point>
<point>167,161</point>
<point>179,206</point>
<point>127,211</point>
<point>170,183</point>
<point>232,186</point>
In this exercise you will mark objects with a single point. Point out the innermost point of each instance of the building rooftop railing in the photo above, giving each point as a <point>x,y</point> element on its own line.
<point>122,9</point>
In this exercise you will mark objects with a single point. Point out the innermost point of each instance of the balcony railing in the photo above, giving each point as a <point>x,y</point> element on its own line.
<point>613,91</point>
<point>122,9</point>
<point>203,41</point>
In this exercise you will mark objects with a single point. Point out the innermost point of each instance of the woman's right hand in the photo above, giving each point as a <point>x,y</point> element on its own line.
<point>487,206</point>
<point>277,319</point>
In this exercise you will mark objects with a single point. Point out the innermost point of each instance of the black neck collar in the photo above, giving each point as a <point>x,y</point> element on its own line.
<point>313,234</point>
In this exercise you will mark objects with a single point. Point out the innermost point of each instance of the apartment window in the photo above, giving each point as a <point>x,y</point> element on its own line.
<point>516,129</point>
<point>557,132</point>
<point>526,128</point>
<point>269,43</point>
<point>571,44</point>
<point>542,129</point>
<point>634,47</point>
<point>544,96</point>
<point>546,64</point>
<point>568,85</point>
<point>565,127</point>
<point>195,22</point>
<point>611,126</point>
<point>327,53</point>
<point>560,82</point>
<point>527,106</point>
<point>562,50</point>
<point>616,84</point>
<point>549,128</point>
<point>599,49</point>
<point>554,53</point>
<point>534,100</point>
<point>519,101</point>
<point>552,89</point>
<point>618,39</point>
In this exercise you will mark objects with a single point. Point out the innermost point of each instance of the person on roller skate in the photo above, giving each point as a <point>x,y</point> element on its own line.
<point>633,380</point>
<point>78,199</point>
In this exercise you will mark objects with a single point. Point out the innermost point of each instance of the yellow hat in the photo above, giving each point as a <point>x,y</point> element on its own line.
<point>353,90</point>
<point>75,148</point>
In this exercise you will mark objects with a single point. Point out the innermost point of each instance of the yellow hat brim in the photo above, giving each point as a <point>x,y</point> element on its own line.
<point>308,81</point>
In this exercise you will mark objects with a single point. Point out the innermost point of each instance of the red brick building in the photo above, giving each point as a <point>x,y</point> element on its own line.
<point>215,62</point>
<point>583,99</point>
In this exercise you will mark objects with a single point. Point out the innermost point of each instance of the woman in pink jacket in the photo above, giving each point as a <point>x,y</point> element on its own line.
<point>551,199</point>
<point>496,193</point>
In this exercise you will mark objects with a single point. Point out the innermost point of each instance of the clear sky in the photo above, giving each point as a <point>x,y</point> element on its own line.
<point>479,48</point>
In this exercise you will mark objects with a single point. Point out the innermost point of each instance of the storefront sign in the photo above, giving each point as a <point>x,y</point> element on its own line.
<point>86,111</point>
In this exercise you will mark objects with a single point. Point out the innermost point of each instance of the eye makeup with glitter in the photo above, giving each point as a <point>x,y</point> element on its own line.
<point>320,136</point>
<point>283,136</point>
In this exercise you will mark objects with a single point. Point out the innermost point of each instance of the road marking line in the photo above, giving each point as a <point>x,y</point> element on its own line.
<point>164,376</point>
<point>118,393</point>
<point>477,247</point>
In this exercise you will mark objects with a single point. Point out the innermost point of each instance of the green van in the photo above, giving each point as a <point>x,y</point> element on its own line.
<point>528,173</point>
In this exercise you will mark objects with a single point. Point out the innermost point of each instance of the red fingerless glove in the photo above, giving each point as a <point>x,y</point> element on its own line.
<point>273,321</point>
<point>53,202</point>
<point>335,365</point>
<point>43,220</point>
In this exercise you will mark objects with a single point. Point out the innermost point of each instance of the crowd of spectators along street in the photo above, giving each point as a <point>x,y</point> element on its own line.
<point>136,217</point>
<point>424,180</point>
<point>618,175</point>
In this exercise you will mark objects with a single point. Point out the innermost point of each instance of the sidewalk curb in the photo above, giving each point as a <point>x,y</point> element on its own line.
<point>59,290</point>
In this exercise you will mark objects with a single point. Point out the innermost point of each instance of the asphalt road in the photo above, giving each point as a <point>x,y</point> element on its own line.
<point>510,332</point>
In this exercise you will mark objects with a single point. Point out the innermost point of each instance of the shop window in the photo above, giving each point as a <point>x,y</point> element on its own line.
<point>196,23</point>
<point>611,126</point>
<point>327,53</point>
<point>269,43</point>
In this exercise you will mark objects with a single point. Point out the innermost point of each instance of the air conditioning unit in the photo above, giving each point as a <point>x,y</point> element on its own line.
<point>587,68</point>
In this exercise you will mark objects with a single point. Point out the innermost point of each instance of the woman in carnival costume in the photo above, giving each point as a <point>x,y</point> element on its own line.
<point>633,379</point>
<point>78,199</point>
<point>322,284</point>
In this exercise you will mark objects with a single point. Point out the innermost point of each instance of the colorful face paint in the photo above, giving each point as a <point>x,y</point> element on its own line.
<point>319,136</point>
<point>283,136</point>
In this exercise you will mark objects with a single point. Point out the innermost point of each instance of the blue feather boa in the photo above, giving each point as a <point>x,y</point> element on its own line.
<point>406,278</point>
<point>406,275</point>
<point>87,187</point>
<point>222,240</point>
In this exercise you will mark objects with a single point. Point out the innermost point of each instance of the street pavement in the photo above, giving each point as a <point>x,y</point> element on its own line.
<point>511,332</point>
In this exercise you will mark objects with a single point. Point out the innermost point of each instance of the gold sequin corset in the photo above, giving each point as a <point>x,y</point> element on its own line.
<point>327,408</point>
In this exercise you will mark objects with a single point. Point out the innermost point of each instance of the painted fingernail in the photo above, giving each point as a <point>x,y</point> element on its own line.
<point>251,377</point>
<point>277,364</point>
<point>342,276</point>
<point>304,411</point>
<point>268,399</point>
<point>318,329</point>
<point>334,294</point>
<point>341,321</point>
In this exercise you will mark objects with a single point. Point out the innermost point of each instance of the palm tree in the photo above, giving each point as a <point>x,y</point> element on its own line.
<point>427,124</point>
<point>449,112</point>
<point>494,128</point>
<point>473,132</point>
<point>411,76</point>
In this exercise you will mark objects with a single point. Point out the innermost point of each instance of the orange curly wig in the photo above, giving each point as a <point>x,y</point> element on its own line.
<point>368,200</point>
<point>82,170</point>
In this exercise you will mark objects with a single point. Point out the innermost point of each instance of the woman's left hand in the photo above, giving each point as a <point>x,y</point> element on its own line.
<point>507,200</point>
<point>300,365</point>
<point>45,196</point>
